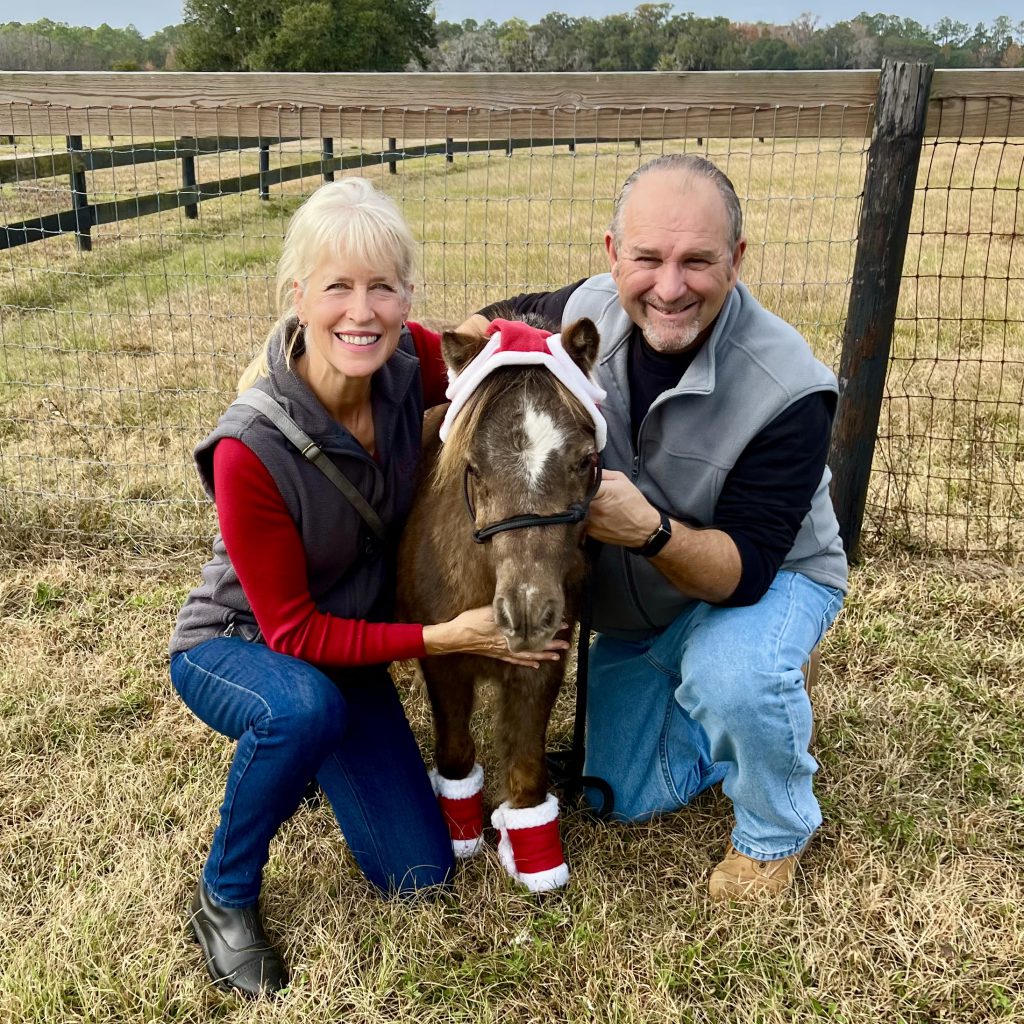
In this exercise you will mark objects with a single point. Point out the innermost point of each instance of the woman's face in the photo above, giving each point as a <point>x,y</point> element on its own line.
<point>353,316</point>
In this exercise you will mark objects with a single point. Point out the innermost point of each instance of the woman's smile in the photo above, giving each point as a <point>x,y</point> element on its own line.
<point>357,339</point>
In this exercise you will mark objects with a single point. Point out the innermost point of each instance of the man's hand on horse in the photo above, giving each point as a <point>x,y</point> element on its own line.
<point>619,513</point>
<point>476,325</point>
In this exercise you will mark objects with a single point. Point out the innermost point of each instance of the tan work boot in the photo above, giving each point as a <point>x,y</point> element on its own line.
<point>739,877</point>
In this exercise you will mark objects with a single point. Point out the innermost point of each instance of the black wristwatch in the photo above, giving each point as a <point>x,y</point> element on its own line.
<point>656,541</point>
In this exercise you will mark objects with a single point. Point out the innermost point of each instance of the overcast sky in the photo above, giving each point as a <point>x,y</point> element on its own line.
<point>155,14</point>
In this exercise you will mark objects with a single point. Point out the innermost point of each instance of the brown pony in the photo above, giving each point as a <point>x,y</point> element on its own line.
<point>497,520</point>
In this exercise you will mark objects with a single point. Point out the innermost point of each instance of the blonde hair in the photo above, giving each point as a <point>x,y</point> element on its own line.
<point>349,219</point>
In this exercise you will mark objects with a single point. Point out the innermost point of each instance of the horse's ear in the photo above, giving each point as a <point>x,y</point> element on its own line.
<point>458,349</point>
<point>581,341</point>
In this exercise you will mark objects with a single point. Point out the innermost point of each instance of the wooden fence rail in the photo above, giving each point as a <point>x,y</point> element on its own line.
<point>86,215</point>
<point>727,104</point>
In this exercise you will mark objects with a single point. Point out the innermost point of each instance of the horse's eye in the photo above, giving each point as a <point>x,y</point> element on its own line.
<point>472,470</point>
<point>585,464</point>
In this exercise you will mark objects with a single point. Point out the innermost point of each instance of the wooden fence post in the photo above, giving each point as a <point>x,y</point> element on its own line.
<point>188,176</point>
<point>79,199</point>
<point>264,170</point>
<point>327,154</point>
<point>889,184</point>
<point>392,165</point>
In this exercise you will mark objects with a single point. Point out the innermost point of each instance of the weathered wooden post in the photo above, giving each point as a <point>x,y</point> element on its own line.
<point>264,170</point>
<point>189,148</point>
<point>79,199</point>
<point>889,184</point>
<point>392,165</point>
<point>327,155</point>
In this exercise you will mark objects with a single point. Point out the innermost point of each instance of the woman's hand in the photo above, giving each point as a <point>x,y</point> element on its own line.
<point>475,632</point>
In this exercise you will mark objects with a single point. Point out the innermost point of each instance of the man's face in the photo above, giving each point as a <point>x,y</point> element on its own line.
<point>674,265</point>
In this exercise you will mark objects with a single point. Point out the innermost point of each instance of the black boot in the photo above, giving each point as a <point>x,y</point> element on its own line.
<point>237,952</point>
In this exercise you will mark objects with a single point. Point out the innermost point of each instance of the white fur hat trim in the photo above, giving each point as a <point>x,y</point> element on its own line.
<point>462,385</point>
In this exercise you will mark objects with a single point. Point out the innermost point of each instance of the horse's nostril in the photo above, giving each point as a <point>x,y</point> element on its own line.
<point>549,616</point>
<point>501,614</point>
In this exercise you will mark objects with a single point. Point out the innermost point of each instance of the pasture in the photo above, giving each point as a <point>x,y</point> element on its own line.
<point>908,906</point>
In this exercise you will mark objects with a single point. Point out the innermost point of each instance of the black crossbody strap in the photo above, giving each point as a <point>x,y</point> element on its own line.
<point>307,447</point>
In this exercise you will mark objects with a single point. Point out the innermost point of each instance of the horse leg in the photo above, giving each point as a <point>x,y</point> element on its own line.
<point>458,780</point>
<point>525,701</point>
<point>529,844</point>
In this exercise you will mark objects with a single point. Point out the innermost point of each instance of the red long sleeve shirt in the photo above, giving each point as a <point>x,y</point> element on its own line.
<point>266,551</point>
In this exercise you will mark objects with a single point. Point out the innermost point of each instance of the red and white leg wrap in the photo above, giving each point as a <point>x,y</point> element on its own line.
<point>529,845</point>
<point>462,804</point>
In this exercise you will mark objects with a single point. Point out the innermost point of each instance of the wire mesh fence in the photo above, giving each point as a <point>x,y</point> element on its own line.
<point>949,460</point>
<point>114,361</point>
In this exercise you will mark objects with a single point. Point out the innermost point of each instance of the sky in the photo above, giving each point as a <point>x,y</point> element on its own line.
<point>155,14</point>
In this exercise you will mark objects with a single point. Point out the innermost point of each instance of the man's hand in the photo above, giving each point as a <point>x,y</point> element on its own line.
<point>699,563</point>
<point>475,326</point>
<point>619,513</point>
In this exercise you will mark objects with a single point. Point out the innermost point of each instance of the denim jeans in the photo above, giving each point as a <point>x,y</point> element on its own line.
<point>717,696</point>
<point>293,722</point>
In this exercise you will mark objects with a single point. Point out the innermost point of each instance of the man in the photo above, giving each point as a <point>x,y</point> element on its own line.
<point>721,565</point>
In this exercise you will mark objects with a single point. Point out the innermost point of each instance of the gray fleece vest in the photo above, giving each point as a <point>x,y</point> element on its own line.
<point>752,367</point>
<point>349,573</point>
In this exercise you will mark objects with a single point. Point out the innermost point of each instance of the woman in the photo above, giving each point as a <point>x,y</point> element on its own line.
<point>284,644</point>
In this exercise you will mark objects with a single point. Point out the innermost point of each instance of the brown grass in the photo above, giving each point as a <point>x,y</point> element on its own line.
<point>908,906</point>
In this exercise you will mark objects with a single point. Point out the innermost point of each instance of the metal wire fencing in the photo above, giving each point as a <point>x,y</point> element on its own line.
<point>949,459</point>
<point>118,353</point>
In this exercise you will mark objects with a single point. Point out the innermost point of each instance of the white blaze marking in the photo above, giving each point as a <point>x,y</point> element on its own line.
<point>543,436</point>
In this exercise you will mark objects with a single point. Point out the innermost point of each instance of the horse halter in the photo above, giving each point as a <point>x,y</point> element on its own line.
<point>573,514</point>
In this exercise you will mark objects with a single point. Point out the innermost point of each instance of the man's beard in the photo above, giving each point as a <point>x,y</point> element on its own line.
<point>670,341</point>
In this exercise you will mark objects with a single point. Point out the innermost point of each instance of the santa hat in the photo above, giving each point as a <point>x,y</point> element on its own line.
<point>529,844</point>
<point>514,343</point>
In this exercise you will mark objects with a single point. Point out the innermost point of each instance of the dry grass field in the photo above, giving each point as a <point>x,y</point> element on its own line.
<point>909,907</point>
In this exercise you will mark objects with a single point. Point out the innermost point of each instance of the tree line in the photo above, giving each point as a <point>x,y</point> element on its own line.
<point>652,38</point>
<point>396,35</point>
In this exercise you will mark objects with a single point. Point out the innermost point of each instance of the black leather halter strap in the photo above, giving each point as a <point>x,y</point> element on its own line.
<point>573,514</point>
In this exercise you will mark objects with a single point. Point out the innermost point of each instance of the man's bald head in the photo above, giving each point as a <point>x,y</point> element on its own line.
<point>686,166</point>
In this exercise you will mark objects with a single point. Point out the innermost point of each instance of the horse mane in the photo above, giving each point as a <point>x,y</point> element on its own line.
<point>451,461</point>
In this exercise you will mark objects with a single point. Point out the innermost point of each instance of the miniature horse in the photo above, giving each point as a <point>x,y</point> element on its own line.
<point>498,520</point>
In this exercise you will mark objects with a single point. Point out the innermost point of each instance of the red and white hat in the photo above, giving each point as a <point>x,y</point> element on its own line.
<point>514,343</point>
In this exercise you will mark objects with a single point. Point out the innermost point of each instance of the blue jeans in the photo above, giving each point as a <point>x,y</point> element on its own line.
<point>717,696</point>
<point>293,722</point>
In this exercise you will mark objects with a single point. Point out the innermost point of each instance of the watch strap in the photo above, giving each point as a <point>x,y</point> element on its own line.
<point>657,540</point>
